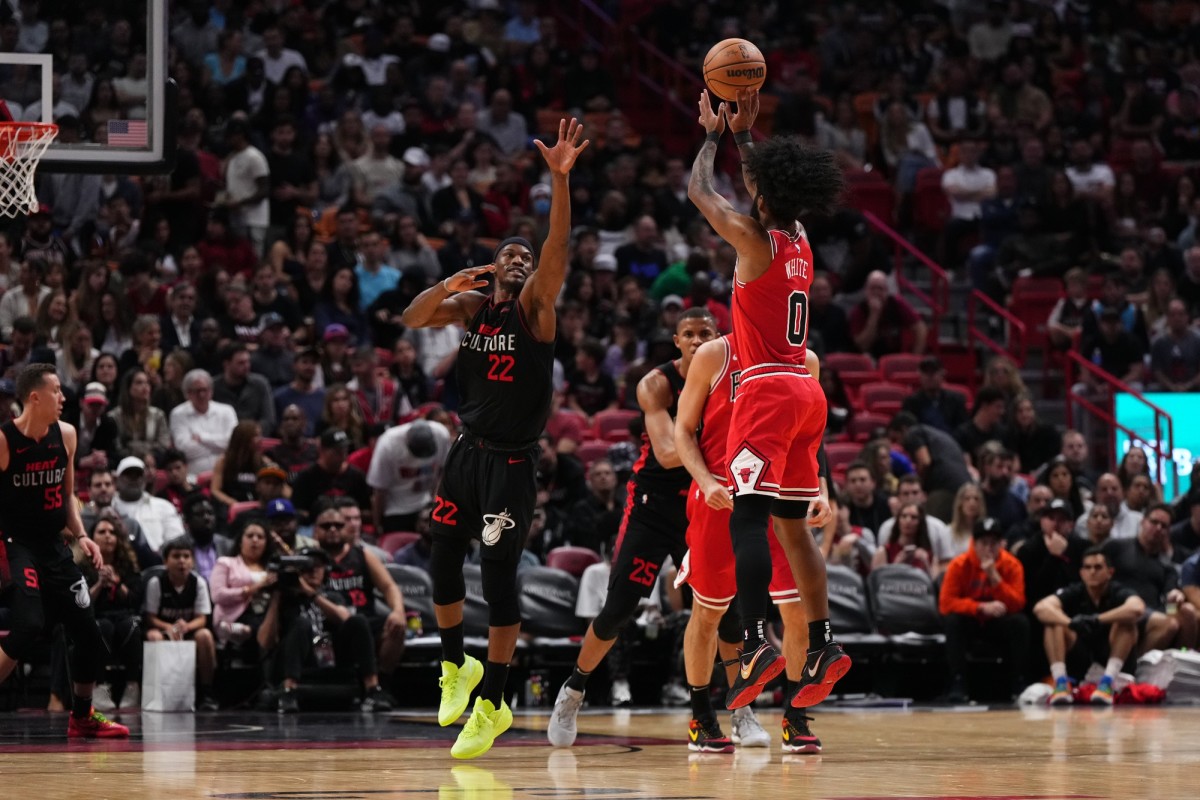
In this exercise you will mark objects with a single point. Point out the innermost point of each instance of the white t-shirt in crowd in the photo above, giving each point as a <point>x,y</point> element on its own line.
<point>408,481</point>
<point>242,171</point>
<point>978,179</point>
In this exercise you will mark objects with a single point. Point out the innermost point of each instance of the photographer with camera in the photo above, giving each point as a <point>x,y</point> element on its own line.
<point>306,626</point>
<point>355,574</point>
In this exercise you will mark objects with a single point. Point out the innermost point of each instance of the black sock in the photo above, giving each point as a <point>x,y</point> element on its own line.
<point>81,707</point>
<point>790,712</point>
<point>820,633</point>
<point>495,678</point>
<point>702,709</point>
<point>789,691</point>
<point>452,645</point>
<point>578,679</point>
<point>753,636</point>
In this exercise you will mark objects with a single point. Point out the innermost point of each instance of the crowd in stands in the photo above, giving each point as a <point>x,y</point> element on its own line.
<point>230,338</point>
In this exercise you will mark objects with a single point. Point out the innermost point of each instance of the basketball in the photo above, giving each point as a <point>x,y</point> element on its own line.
<point>734,64</point>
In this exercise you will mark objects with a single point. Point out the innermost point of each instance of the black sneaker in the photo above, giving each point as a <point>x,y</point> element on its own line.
<point>377,699</point>
<point>289,702</point>
<point>755,670</point>
<point>822,670</point>
<point>206,702</point>
<point>797,738</point>
<point>708,738</point>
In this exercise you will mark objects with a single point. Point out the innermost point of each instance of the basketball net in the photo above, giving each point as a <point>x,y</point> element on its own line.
<point>22,145</point>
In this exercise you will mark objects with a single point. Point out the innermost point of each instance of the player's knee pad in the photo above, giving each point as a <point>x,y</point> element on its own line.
<point>500,592</point>
<point>446,571</point>
<point>729,629</point>
<point>620,606</point>
<point>789,509</point>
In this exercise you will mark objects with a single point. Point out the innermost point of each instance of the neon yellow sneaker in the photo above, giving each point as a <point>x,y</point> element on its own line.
<point>486,723</point>
<point>457,683</point>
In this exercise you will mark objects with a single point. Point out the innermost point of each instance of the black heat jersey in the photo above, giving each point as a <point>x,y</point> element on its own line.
<point>648,474</point>
<point>177,605</point>
<point>505,376</point>
<point>350,581</point>
<point>33,509</point>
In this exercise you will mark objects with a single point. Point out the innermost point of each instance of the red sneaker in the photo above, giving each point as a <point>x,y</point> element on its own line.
<point>96,726</point>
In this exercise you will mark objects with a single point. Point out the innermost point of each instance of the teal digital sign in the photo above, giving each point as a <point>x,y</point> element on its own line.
<point>1184,408</point>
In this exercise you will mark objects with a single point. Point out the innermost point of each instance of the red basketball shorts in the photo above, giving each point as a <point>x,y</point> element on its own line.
<point>709,565</point>
<point>777,426</point>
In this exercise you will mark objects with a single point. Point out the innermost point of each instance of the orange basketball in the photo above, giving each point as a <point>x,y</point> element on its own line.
<point>734,64</point>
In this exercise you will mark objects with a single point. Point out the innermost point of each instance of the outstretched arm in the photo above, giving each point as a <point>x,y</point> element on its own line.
<point>747,236</point>
<point>454,300</point>
<point>740,123</point>
<point>542,289</point>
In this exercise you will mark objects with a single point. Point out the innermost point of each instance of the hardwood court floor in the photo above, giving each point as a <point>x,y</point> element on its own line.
<point>1077,753</point>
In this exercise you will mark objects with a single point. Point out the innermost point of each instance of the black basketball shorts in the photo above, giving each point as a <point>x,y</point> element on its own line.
<point>44,589</point>
<point>654,527</point>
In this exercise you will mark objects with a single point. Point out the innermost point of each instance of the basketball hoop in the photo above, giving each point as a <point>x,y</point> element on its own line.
<point>22,145</point>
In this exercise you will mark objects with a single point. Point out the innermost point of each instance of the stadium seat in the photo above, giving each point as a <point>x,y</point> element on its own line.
<point>204,480</point>
<point>931,208</point>
<point>848,362</point>
<point>613,425</point>
<point>417,588</point>
<point>904,601</point>
<point>840,454</point>
<point>241,508</point>
<point>848,609</point>
<point>965,391</point>
<point>394,540</point>
<point>547,597</point>
<point>592,450</point>
<point>475,608</point>
<point>572,559</point>
<point>898,363</point>
<point>872,394</point>
<point>864,423</point>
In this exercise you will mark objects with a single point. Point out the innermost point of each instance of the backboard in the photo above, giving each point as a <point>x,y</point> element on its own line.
<point>62,61</point>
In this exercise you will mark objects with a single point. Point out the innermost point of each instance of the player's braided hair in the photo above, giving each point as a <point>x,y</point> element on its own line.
<point>793,178</point>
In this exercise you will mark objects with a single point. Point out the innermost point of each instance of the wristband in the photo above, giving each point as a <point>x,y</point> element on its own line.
<point>447,288</point>
<point>742,137</point>
<point>713,136</point>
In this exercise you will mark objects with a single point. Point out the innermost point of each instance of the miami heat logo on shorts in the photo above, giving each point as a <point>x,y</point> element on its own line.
<point>494,525</point>
<point>83,598</point>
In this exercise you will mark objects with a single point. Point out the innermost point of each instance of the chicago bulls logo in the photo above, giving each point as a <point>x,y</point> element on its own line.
<point>745,473</point>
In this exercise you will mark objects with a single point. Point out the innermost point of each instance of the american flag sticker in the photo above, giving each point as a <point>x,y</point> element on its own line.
<point>127,133</point>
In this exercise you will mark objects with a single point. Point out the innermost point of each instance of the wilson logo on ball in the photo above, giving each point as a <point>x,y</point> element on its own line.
<point>746,72</point>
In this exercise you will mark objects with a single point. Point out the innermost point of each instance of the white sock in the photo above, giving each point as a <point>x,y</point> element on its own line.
<point>1058,670</point>
<point>1113,667</point>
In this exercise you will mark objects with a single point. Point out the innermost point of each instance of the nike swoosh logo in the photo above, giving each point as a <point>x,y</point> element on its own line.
<point>748,668</point>
<point>812,672</point>
<point>694,735</point>
<point>21,450</point>
<point>516,460</point>
<point>786,734</point>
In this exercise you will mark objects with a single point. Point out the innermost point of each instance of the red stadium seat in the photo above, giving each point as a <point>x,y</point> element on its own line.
<point>204,480</point>
<point>888,408</point>
<point>241,508</point>
<point>965,391</point>
<point>931,208</point>
<point>895,363</point>
<point>614,423</point>
<point>391,542</point>
<point>864,423</point>
<point>848,362</point>
<point>840,455</point>
<point>572,559</point>
<point>871,394</point>
<point>592,450</point>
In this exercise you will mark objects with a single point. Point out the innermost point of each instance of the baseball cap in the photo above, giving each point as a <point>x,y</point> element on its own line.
<point>416,157</point>
<point>439,43</point>
<point>130,462</point>
<point>539,190</point>
<point>420,439</point>
<point>672,300</point>
<point>336,331</point>
<point>335,437</point>
<point>272,471</point>
<point>280,507</point>
<point>1059,506</point>
<point>987,528</point>
<point>271,320</point>
<point>604,262</point>
<point>95,392</point>
<point>8,387</point>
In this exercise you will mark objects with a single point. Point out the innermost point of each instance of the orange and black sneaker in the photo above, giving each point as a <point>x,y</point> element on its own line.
<point>822,670</point>
<point>706,737</point>
<point>95,726</point>
<point>797,738</point>
<point>755,670</point>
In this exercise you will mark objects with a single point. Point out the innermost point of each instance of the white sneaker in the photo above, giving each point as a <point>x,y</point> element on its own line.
<point>747,732</point>
<point>561,730</point>
<point>102,698</point>
<point>132,699</point>
<point>621,696</point>
<point>675,695</point>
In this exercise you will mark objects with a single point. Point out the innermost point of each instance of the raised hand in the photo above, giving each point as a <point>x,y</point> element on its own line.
<point>711,120</point>
<point>561,157</point>
<point>747,111</point>
<point>468,279</point>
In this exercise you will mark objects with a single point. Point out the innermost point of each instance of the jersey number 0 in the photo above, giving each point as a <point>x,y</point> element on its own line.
<point>798,318</point>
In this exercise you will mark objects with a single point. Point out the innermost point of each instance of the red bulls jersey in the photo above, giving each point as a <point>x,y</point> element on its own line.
<point>770,314</point>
